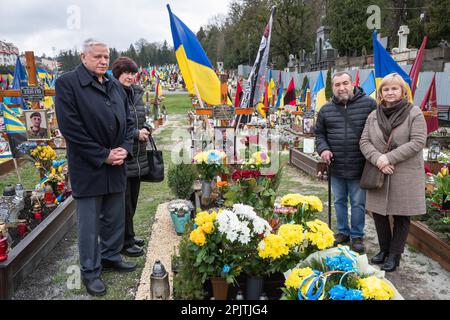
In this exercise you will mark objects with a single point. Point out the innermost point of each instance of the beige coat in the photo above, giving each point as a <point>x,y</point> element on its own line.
<point>403,193</point>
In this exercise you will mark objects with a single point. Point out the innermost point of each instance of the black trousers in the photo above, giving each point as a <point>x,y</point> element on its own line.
<point>392,241</point>
<point>99,217</point>
<point>131,199</point>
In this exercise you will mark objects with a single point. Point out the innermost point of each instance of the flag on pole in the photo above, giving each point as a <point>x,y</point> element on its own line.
<point>417,65</point>
<point>385,64</point>
<point>237,98</point>
<point>318,94</point>
<point>14,128</point>
<point>197,71</point>
<point>369,85</point>
<point>289,97</point>
<point>2,82</point>
<point>257,78</point>
<point>429,107</point>
<point>271,88</point>
<point>356,83</point>
<point>19,80</point>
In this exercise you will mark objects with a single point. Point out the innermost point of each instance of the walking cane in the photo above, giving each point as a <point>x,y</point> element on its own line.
<point>329,193</point>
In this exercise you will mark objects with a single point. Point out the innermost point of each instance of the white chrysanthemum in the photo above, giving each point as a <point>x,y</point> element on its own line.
<point>261,226</point>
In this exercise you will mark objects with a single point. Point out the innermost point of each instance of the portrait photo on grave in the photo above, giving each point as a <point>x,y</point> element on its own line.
<point>308,125</point>
<point>36,122</point>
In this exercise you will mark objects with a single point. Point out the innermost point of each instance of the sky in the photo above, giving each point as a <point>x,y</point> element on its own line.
<point>48,26</point>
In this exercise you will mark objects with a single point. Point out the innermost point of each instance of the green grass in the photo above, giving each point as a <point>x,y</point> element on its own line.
<point>176,103</point>
<point>28,173</point>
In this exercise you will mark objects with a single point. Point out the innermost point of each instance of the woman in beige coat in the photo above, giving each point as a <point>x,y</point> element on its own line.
<point>403,191</point>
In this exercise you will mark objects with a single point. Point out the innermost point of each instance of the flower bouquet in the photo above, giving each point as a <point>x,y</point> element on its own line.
<point>297,208</point>
<point>337,274</point>
<point>210,163</point>
<point>292,243</point>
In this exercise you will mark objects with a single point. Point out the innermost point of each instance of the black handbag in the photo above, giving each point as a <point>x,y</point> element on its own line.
<point>155,164</point>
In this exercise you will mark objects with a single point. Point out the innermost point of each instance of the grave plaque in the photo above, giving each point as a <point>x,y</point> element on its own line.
<point>223,112</point>
<point>32,93</point>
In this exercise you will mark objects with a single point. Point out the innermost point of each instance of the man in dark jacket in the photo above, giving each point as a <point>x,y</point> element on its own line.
<point>94,118</point>
<point>338,130</point>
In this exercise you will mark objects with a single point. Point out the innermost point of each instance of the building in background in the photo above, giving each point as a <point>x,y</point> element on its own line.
<point>8,53</point>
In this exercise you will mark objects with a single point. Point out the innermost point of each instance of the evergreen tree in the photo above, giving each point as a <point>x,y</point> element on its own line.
<point>328,85</point>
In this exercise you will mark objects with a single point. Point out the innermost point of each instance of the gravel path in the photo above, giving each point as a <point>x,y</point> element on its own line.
<point>161,246</point>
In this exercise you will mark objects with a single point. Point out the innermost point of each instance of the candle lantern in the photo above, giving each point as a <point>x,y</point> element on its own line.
<point>3,242</point>
<point>22,227</point>
<point>159,282</point>
<point>434,151</point>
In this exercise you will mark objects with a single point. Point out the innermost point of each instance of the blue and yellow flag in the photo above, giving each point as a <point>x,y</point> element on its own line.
<point>385,64</point>
<point>369,86</point>
<point>318,94</point>
<point>197,71</point>
<point>12,123</point>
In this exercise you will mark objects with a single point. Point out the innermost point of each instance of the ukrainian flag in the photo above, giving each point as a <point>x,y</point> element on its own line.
<point>369,86</point>
<point>12,123</point>
<point>385,64</point>
<point>197,71</point>
<point>318,94</point>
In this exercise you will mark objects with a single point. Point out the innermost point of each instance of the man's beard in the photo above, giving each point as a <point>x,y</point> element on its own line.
<point>344,100</point>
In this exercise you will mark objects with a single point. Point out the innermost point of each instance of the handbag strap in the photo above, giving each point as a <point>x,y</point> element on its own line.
<point>388,145</point>
<point>152,144</point>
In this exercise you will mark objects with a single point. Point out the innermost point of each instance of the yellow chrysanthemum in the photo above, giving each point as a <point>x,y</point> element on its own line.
<point>201,157</point>
<point>296,277</point>
<point>273,246</point>
<point>375,289</point>
<point>201,218</point>
<point>208,227</point>
<point>319,234</point>
<point>291,233</point>
<point>314,203</point>
<point>198,237</point>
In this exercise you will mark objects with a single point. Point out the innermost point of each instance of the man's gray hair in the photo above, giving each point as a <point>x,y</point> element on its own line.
<point>89,43</point>
<point>341,73</point>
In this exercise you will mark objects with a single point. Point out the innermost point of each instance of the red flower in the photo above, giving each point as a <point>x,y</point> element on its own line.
<point>236,175</point>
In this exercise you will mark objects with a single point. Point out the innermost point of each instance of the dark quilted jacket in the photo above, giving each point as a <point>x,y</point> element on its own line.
<point>334,133</point>
<point>138,166</point>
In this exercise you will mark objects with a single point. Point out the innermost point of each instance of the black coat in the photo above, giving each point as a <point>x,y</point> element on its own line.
<point>138,166</point>
<point>335,134</point>
<point>93,121</point>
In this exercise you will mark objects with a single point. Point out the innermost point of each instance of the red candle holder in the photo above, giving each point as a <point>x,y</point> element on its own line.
<point>38,215</point>
<point>22,229</point>
<point>3,248</point>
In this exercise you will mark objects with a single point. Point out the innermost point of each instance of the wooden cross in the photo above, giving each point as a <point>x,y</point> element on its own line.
<point>32,82</point>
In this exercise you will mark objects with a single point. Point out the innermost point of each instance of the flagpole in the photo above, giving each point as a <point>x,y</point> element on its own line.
<point>17,170</point>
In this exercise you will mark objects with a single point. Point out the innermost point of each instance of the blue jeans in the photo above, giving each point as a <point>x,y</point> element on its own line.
<point>342,190</point>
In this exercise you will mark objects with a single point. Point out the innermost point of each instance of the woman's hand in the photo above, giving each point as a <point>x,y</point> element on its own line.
<point>382,162</point>
<point>389,169</point>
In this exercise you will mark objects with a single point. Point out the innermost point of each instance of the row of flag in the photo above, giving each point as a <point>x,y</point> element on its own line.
<point>201,79</point>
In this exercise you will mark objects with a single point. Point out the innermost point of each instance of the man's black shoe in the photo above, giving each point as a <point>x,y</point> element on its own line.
<point>340,239</point>
<point>133,251</point>
<point>95,287</point>
<point>119,266</point>
<point>358,245</point>
<point>139,241</point>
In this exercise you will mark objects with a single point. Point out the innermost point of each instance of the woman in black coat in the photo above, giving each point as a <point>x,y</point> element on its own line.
<point>124,69</point>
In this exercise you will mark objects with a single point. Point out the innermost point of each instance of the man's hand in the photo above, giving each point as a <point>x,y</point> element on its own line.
<point>382,162</point>
<point>327,155</point>
<point>117,156</point>
<point>389,169</point>
<point>143,135</point>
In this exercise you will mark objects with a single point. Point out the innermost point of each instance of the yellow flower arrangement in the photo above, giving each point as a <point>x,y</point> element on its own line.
<point>273,246</point>
<point>198,237</point>
<point>295,200</point>
<point>375,289</point>
<point>291,233</point>
<point>296,277</point>
<point>260,158</point>
<point>207,227</point>
<point>319,234</point>
<point>203,217</point>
